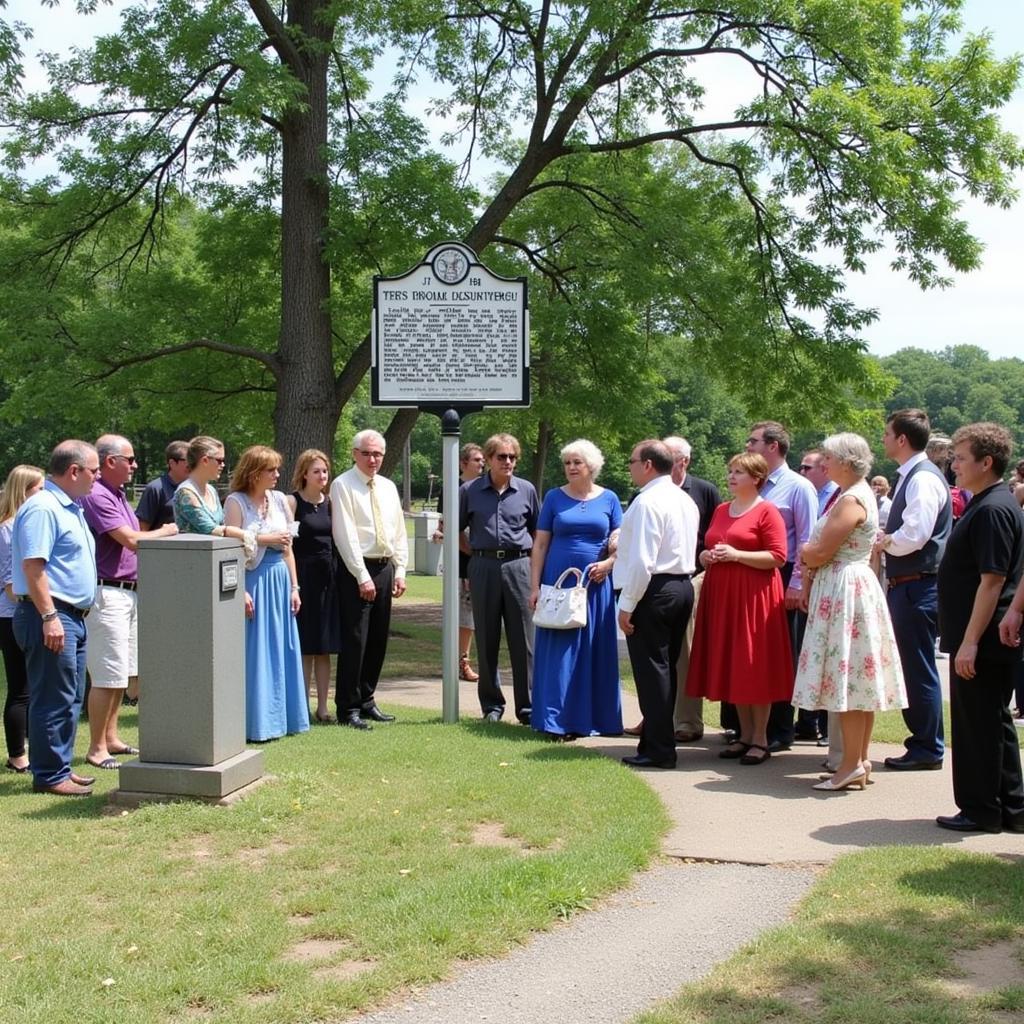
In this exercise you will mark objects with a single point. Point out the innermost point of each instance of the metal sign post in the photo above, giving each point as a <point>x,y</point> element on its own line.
<point>450,337</point>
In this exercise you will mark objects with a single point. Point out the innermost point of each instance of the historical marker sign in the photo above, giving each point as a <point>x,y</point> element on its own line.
<point>449,333</point>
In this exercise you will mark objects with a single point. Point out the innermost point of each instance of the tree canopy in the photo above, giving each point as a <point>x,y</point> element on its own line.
<point>304,128</point>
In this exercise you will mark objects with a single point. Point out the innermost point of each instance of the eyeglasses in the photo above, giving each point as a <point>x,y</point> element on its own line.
<point>370,455</point>
<point>130,459</point>
<point>505,456</point>
<point>213,458</point>
<point>805,468</point>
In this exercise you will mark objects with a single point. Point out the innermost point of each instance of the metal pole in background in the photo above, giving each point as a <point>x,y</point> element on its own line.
<point>450,434</point>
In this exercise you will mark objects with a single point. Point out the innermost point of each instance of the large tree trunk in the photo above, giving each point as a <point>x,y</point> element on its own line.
<point>545,437</point>
<point>306,410</point>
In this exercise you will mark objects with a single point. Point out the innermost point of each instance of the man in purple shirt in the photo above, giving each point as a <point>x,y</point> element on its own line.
<point>112,655</point>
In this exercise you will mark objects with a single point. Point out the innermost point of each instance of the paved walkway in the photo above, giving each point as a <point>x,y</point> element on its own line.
<point>745,845</point>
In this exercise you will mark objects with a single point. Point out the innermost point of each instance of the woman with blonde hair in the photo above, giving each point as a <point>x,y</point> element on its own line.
<point>319,616</point>
<point>275,694</point>
<point>22,482</point>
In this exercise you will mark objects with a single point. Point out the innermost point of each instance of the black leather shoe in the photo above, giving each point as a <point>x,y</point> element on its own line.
<point>959,822</point>
<point>1013,824</point>
<point>641,761</point>
<point>376,715</point>
<point>492,716</point>
<point>906,763</point>
<point>806,735</point>
<point>354,722</point>
<point>778,747</point>
<point>523,714</point>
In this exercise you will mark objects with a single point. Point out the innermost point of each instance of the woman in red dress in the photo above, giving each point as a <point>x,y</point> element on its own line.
<point>741,651</point>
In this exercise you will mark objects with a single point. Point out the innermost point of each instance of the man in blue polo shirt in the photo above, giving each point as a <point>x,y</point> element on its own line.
<point>54,577</point>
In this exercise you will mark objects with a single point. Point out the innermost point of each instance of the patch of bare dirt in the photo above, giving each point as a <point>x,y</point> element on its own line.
<point>256,856</point>
<point>345,971</point>
<point>260,998</point>
<point>492,833</point>
<point>985,969</point>
<point>311,950</point>
<point>804,997</point>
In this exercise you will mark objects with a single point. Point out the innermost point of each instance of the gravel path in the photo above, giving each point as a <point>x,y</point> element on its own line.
<point>671,926</point>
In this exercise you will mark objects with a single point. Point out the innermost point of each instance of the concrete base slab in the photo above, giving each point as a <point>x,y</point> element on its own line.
<point>130,799</point>
<point>206,782</point>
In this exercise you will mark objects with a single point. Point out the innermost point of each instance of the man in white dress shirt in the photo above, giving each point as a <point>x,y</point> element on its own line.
<point>657,556</point>
<point>369,532</point>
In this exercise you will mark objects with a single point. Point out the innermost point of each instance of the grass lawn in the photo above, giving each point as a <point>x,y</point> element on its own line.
<point>371,864</point>
<point>881,939</point>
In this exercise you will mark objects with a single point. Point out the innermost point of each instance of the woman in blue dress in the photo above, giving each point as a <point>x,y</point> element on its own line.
<point>576,671</point>
<point>275,691</point>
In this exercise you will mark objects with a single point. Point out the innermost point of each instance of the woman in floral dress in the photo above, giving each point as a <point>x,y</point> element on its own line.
<point>848,663</point>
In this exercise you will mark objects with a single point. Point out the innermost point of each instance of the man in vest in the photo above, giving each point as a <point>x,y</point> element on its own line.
<point>920,519</point>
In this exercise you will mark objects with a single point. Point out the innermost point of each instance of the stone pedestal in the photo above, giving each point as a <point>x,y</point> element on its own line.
<point>191,671</point>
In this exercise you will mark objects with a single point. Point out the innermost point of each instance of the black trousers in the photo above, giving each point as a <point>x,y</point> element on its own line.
<point>364,637</point>
<point>987,784</point>
<point>659,624</point>
<point>16,704</point>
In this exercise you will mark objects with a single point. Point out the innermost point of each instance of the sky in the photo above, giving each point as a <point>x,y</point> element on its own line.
<point>983,308</point>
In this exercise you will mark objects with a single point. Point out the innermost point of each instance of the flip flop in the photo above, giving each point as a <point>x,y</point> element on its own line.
<point>125,750</point>
<point>108,763</point>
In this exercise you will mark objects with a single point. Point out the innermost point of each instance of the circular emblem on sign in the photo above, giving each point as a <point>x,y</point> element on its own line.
<point>450,266</point>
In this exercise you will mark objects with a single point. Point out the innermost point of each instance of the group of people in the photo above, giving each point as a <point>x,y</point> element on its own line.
<point>769,602</point>
<point>321,568</point>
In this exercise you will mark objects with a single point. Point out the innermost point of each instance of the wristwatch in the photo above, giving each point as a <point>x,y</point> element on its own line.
<point>49,616</point>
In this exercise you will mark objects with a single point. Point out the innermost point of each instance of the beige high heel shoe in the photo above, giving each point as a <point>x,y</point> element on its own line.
<point>856,779</point>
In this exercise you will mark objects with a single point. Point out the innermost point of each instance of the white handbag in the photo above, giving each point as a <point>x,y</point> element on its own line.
<point>561,607</point>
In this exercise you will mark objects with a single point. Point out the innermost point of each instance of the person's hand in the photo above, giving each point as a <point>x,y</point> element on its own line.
<point>367,591</point>
<point>296,602</point>
<point>1009,628</point>
<point>532,600</point>
<point>53,635</point>
<point>626,623</point>
<point>598,571</point>
<point>793,597</point>
<point>398,587</point>
<point>167,530</point>
<point>705,558</point>
<point>805,601</point>
<point>250,608</point>
<point>964,660</point>
<point>437,536</point>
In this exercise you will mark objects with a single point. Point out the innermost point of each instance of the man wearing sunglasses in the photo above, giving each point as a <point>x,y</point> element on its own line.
<point>113,629</point>
<point>500,511</point>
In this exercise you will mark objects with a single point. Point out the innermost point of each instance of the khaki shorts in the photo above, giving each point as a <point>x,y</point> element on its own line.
<point>112,649</point>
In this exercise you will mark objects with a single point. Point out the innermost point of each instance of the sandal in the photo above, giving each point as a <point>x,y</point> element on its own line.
<point>749,758</point>
<point>127,749</point>
<point>323,719</point>
<point>466,670</point>
<point>11,766</point>
<point>737,749</point>
<point>107,764</point>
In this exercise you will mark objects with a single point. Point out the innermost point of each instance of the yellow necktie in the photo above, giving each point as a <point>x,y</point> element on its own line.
<point>378,529</point>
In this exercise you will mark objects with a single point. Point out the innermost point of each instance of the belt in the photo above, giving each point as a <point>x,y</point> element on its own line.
<point>895,581</point>
<point>672,576</point>
<point>502,554</point>
<point>120,584</point>
<point>377,563</point>
<point>64,606</point>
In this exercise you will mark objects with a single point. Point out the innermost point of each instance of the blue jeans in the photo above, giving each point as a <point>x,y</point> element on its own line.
<point>56,687</point>
<point>913,607</point>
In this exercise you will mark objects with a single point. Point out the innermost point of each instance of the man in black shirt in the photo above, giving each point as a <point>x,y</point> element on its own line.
<point>978,573</point>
